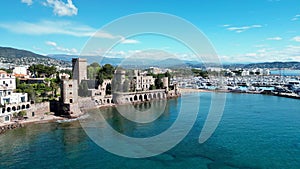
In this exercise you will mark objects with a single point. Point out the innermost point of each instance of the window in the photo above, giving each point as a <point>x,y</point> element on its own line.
<point>6,118</point>
<point>32,114</point>
<point>3,82</point>
<point>10,81</point>
<point>70,85</point>
<point>70,92</point>
<point>71,100</point>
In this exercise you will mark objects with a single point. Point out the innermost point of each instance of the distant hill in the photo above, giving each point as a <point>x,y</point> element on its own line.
<point>23,57</point>
<point>126,63</point>
<point>172,62</point>
<point>270,65</point>
<point>16,57</point>
<point>8,52</point>
<point>90,59</point>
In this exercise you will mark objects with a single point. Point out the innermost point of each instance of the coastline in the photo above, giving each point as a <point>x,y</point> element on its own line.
<point>187,90</point>
<point>4,127</point>
<point>286,95</point>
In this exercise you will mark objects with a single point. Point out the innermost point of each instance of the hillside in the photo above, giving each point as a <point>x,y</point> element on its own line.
<point>14,56</point>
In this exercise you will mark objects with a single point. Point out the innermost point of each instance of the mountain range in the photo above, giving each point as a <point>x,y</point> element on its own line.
<point>15,57</point>
<point>24,57</point>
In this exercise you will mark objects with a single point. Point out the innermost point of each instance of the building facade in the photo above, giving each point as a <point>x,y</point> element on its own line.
<point>10,102</point>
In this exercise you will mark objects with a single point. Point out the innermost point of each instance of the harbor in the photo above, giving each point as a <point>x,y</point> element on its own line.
<point>270,84</point>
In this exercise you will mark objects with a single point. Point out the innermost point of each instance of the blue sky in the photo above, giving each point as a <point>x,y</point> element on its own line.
<point>240,30</point>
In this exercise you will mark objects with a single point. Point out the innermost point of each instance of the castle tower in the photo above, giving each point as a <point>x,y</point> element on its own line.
<point>119,80</point>
<point>165,81</point>
<point>79,69</point>
<point>69,91</point>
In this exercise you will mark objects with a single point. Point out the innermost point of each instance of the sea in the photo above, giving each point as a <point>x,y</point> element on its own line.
<point>285,72</point>
<point>253,132</point>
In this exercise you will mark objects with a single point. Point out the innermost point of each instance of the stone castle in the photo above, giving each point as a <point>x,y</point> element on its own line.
<point>96,95</point>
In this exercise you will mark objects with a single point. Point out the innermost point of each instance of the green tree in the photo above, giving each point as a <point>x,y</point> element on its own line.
<point>95,65</point>
<point>108,89</point>
<point>106,72</point>
<point>67,71</point>
<point>39,69</point>
<point>158,83</point>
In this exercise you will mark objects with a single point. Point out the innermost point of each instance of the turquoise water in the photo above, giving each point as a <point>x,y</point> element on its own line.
<point>285,72</point>
<point>256,131</point>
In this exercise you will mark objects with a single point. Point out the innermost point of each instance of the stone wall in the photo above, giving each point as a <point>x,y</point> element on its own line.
<point>38,109</point>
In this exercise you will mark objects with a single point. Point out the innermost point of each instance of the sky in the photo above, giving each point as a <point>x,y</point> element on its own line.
<point>241,31</point>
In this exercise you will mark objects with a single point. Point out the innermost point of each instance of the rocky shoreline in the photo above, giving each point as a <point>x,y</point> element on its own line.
<point>12,126</point>
<point>21,123</point>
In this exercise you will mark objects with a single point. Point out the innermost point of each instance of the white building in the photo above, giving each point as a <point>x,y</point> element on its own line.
<point>20,70</point>
<point>7,81</point>
<point>10,102</point>
<point>143,82</point>
<point>266,72</point>
<point>214,69</point>
<point>245,73</point>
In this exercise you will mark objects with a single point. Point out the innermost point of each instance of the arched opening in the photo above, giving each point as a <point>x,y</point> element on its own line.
<point>154,95</point>
<point>14,108</point>
<point>159,96</point>
<point>27,106</point>
<point>108,101</point>
<point>18,107</point>
<point>8,109</point>
<point>3,110</point>
<point>145,97</point>
<point>135,98</point>
<point>141,98</point>
<point>150,96</point>
<point>23,106</point>
<point>130,99</point>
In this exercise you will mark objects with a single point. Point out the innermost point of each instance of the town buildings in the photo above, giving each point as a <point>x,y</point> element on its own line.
<point>10,102</point>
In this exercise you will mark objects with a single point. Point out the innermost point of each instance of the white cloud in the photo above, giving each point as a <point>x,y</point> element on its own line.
<point>243,28</point>
<point>287,53</point>
<point>296,38</point>
<point>250,54</point>
<point>295,18</point>
<point>46,27</point>
<point>275,38</point>
<point>61,8</point>
<point>50,43</point>
<point>225,25</point>
<point>28,2</point>
<point>129,41</point>
<point>61,49</point>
